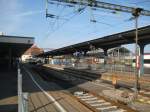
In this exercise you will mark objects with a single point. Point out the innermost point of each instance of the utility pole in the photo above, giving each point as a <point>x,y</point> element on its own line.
<point>136,14</point>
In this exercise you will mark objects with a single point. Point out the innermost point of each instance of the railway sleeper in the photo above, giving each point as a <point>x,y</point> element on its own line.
<point>99,104</point>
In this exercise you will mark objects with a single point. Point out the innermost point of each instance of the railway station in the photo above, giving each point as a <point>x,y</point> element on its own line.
<point>67,68</point>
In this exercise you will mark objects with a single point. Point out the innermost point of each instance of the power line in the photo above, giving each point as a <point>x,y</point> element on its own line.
<point>58,17</point>
<point>110,6</point>
<point>58,28</point>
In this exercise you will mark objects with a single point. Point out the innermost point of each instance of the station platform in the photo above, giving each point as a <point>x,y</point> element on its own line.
<point>11,49</point>
<point>40,92</point>
<point>8,88</point>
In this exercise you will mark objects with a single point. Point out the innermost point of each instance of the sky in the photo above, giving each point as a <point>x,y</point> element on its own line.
<point>27,18</point>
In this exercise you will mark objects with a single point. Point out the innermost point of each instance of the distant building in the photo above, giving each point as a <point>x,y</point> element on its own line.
<point>119,51</point>
<point>31,52</point>
<point>1,33</point>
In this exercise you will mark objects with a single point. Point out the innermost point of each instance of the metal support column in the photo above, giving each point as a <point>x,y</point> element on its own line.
<point>19,90</point>
<point>52,61</point>
<point>136,13</point>
<point>22,97</point>
<point>25,102</point>
<point>10,58</point>
<point>45,59</point>
<point>141,60</point>
<point>48,60</point>
<point>105,58</point>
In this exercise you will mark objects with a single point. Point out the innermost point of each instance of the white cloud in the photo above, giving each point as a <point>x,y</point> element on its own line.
<point>8,22</point>
<point>28,13</point>
<point>12,18</point>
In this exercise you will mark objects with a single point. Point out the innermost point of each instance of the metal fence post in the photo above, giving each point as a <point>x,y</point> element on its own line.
<point>22,97</point>
<point>19,90</point>
<point>25,101</point>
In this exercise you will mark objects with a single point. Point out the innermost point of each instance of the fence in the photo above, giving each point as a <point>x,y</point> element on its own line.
<point>22,97</point>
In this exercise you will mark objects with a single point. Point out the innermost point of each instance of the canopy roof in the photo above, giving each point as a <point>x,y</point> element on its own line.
<point>15,45</point>
<point>105,42</point>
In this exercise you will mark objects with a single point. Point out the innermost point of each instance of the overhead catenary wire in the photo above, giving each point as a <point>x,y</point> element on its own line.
<point>58,17</point>
<point>93,20</point>
<point>59,3</point>
<point>97,4</point>
<point>105,5</point>
<point>69,19</point>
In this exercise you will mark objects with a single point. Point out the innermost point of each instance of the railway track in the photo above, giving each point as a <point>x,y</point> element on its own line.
<point>65,100</point>
<point>96,103</point>
<point>92,101</point>
<point>120,80</point>
<point>76,75</point>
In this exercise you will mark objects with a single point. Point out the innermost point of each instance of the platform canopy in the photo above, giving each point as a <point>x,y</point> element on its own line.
<point>106,42</point>
<point>14,45</point>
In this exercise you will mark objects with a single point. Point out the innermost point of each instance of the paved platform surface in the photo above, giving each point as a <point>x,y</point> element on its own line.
<point>39,102</point>
<point>8,90</point>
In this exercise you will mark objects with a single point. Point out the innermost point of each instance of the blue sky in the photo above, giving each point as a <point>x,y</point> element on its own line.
<point>27,18</point>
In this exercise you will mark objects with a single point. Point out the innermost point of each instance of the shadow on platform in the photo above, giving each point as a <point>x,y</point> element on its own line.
<point>8,89</point>
<point>9,108</point>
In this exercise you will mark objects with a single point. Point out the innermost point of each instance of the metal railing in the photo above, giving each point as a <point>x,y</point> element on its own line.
<point>22,97</point>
